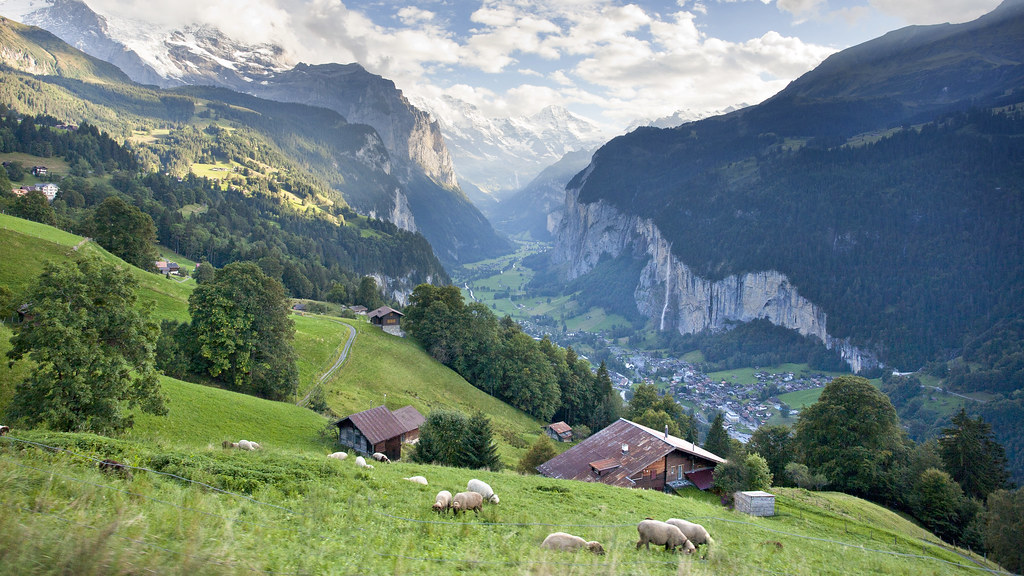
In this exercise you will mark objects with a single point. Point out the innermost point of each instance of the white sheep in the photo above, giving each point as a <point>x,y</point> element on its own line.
<point>4,430</point>
<point>360,461</point>
<point>695,533</point>
<point>442,502</point>
<point>568,542</point>
<point>338,455</point>
<point>381,457</point>
<point>254,446</point>
<point>417,479</point>
<point>662,533</point>
<point>245,445</point>
<point>483,489</point>
<point>464,501</point>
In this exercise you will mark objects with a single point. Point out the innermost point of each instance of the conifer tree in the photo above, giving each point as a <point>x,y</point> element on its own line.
<point>717,440</point>
<point>478,447</point>
<point>972,456</point>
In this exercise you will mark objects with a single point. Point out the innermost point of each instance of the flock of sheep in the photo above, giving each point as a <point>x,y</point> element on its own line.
<point>477,491</point>
<point>673,534</point>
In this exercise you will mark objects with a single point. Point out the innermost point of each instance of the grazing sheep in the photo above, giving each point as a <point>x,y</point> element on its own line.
<point>483,489</point>
<point>338,455</point>
<point>360,461</point>
<point>380,457</point>
<point>245,445</point>
<point>114,467</point>
<point>4,430</point>
<point>442,502</point>
<point>417,479</point>
<point>563,541</point>
<point>467,501</point>
<point>695,533</point>
<point>662,533</point>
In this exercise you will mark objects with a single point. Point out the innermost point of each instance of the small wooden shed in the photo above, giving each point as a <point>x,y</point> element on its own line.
<point>559,432</point>
<point>755,503</point>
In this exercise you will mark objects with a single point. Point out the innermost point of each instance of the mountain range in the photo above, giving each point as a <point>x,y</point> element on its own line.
<point>428,197</point>
<point>875,203</point>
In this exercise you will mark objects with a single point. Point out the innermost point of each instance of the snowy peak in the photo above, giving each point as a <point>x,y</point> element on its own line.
<point>500,155</point>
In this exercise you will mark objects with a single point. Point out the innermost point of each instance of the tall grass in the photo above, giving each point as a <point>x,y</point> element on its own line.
<point>329,517</point>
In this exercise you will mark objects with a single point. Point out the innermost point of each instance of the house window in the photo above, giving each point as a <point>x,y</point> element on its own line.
<point>679,473</point>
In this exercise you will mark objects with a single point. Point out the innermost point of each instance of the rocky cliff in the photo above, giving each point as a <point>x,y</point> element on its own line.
<point>676,298</point>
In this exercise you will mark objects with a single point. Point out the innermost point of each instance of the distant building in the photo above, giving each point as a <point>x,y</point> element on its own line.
<point>389,319</point>
<point>559,432</point>
<point>48,189</point>
<point>39,171</point>
<point>630,455</point>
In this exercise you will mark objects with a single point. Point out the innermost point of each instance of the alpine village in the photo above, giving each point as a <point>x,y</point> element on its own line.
<point>265,316</point>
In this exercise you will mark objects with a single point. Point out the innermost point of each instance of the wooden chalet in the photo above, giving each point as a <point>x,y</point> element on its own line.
<point>559,432</point>
<point>379,430</point>
<point>385,316</point>
<point>630,455</point>
<point>411,420</point>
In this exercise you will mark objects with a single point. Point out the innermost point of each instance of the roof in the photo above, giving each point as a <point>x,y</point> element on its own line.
<point>560,427</point>
<point>606,464</point>
<point>383,311</point>
<point>644,446</point>
<point>409,417</point>
<point>702,479</point>
<point>377,424</point>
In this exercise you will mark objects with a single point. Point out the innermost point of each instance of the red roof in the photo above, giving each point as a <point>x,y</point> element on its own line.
<point>410,418</point>
<point>560,427</point>
<point>377,424</point>
<point>632,446</point>
<point>702,479</point>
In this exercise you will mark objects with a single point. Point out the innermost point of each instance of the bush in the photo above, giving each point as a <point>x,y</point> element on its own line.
<point>541,451</point>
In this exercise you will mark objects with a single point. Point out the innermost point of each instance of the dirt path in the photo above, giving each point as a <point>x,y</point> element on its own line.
<point>337,363</point>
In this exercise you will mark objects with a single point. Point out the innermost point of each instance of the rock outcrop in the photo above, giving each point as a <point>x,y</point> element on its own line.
<point>669,292</point>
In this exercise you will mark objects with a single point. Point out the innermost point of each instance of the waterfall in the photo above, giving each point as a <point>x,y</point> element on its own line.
<point>668,287</point>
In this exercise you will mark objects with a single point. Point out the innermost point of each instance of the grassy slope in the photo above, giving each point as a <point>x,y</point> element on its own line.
<point>378,365</point>
<point>381,364</point>
<point>342,520</point>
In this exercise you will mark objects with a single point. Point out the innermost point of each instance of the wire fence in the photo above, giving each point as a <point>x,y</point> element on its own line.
<point>377,510</point>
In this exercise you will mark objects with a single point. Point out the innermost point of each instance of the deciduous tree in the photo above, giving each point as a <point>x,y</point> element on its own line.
<point>852,435</point>
<point>541,451</point>
<point>93,348</point>
<point>242,332</point>
<point>126,231</point>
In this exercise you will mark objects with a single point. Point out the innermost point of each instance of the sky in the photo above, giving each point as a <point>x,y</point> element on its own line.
<point>610,61</point>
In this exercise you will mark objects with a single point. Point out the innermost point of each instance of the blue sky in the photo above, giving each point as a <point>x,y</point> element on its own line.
<point>608,60</point>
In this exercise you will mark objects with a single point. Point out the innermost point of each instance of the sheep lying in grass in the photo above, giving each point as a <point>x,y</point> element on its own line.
<point>662,533</point>
<point>442,502</point>
<point>695,533</point>
<point>4,430</point>
<point>245,445</point>
<point>467,501</point>
<point>114,467</point>
<point>568,542</point>
<point>380,457</point>
<point>338,455</point>
<point>483,489</point>
<point>417,479</point>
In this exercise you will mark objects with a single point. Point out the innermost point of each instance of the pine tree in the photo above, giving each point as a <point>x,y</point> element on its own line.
<point>717,440</point>
<point>478,447</point>
<point>972,456</point>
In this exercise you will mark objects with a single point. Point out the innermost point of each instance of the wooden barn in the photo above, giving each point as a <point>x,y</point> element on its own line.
<point>385,316</point>
<point>559,432</point>
<point>379,430</point>
<point>630,455</point>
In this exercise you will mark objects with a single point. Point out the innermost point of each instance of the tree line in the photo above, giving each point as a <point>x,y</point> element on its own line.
<point>851,440</point>
<point>496,356</point>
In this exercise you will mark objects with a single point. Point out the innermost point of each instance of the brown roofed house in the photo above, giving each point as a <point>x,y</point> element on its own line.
<point>634,456</point>
<point>559,432</point>
<point>379,430</point>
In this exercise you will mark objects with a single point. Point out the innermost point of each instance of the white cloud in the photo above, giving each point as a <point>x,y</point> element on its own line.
<point>935,11</point>
<point>411,15</point>
<point>801,7</point>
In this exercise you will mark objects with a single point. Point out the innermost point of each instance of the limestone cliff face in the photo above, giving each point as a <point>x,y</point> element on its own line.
<point>677,299</point>
<point>410,136</point>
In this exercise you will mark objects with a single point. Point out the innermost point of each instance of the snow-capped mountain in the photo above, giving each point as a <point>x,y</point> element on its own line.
<point>151,54</point>
<point>501,155</point>
<point>680,117</point>
<point>204,56</point>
